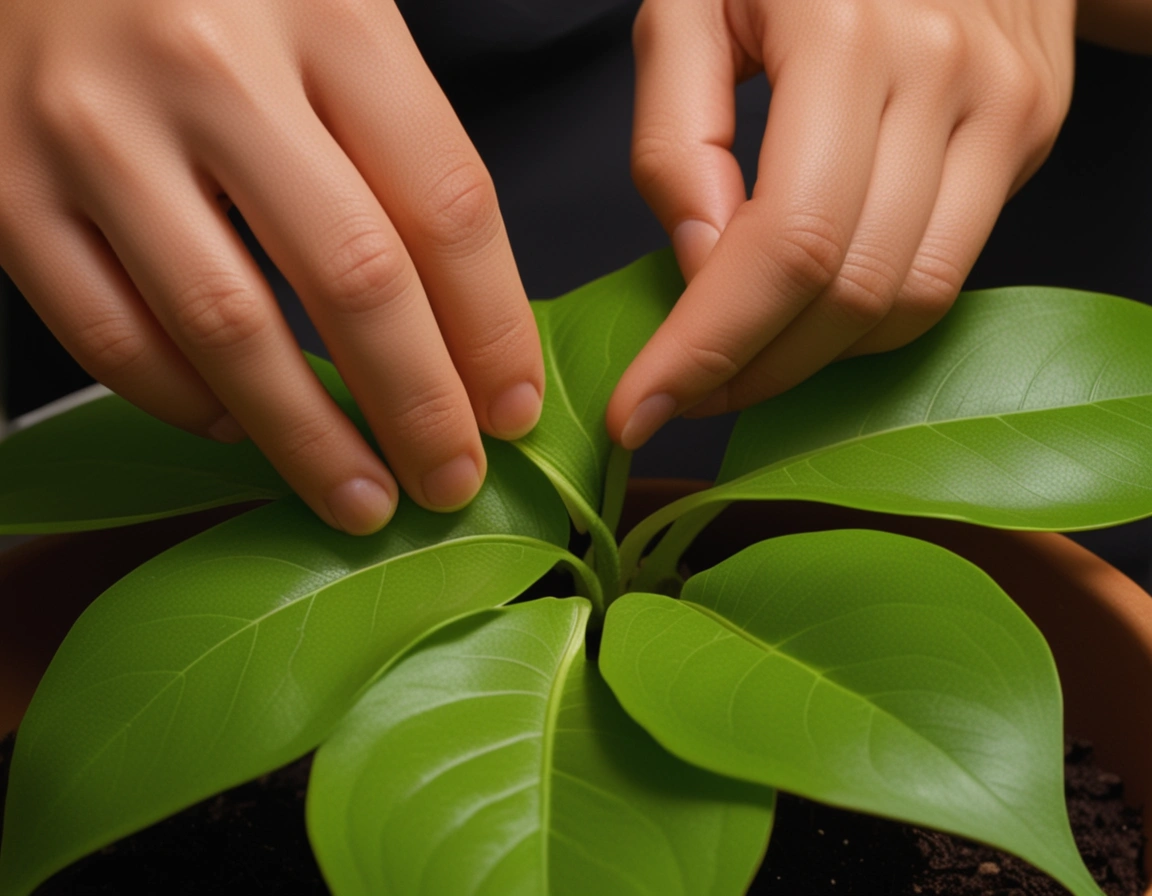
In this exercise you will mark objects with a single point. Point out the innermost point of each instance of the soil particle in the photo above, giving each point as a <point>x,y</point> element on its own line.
<point>820,851</point>
<point>251,840</point>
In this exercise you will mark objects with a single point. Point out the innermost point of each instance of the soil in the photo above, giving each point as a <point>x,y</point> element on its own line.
<point>251,840</point>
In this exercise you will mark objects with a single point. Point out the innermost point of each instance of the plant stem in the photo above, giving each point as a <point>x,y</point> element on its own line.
<point>663,561</point>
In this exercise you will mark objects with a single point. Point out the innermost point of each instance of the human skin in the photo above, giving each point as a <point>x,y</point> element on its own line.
<point>126,121</point>
<point>897,131</point>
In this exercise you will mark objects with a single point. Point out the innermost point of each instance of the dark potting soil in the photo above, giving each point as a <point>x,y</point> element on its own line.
<point>251,840</point>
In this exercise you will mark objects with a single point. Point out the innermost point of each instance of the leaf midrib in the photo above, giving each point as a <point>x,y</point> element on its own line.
<point>769,648</point>
<point>180,674</point>
<point>551,717</point>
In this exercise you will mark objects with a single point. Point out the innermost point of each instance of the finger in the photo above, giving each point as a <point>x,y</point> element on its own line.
<point>197,278</point>
<point>781,249</point>
<point>905,183</point>
<point>330,237</point>
<point>424,171</point>
<point>975,183</point>
<point>684,124</point>
<point>68,273</point>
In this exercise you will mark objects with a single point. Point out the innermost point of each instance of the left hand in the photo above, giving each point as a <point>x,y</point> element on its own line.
<point>897,131</point>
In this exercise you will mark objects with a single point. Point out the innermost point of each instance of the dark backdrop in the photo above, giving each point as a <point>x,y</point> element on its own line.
<point>546,96</point>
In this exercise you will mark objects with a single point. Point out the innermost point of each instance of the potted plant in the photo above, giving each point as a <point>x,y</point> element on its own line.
<point>633,733</point>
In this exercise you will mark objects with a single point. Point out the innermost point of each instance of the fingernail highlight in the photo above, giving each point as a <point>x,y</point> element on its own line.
<point>360,506</point>
<point>452,485</point>
<point>227,430</point>
<point>515,411</point>
<point>693,241</point>
<point>652,413</point>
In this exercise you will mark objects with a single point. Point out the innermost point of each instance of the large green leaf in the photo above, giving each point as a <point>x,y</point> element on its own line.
<point>107,463</point>
<point>861,669</point>
<point>240,649</point>
<point>589,337</point>
<point>494,760</point>
<point>1026,408</point>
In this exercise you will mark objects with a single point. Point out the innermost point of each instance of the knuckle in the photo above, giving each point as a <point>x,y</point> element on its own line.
<point>714,363</point>
<point>847,24</point>
<point>431,417</point>
<point>188,38</point>
<point>932,285</point>
<point>810,250</point>
<point>942,37</point>
<point>500,340</point>
<point>366,273</point>
<point>463,207</point>
<point>652,158</point>
<point>110,346</point>
<point>308,443</point>
<point>69,105</point>
<point>863,294</point>
<point>219,312</point>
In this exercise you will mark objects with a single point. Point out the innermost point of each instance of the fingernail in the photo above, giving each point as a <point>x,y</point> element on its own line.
<point>652,413</point>
<point>692,241</point>
<point>453,485</point>
<point>227,430</point>
<point>515,411</point>
<point>360,506</point>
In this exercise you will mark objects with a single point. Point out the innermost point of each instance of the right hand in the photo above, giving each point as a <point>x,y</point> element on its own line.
<point>128,122</point>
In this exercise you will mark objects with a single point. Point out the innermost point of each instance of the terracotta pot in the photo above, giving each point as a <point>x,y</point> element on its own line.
<point>1097,621</point>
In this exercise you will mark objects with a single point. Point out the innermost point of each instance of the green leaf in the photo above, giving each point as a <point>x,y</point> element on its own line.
<point>589,337</point>
<point>1025,408</point>
<point>241,649</point>
<point>107,463</point>
<point>494,760</point>
<point>865,670</point>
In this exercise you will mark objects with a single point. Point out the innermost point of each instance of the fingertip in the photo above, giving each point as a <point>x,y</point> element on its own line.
<point>452,485</point>
<point>515,411</point>
<point>648,416</point>
<point>361,506</point>
<point>693,241</point>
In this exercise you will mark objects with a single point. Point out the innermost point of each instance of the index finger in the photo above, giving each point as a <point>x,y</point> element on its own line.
<point>780,250</point>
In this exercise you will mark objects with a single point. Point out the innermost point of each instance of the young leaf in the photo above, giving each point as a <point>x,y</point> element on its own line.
<point>495,760</point>
<point>107,463</point>
<point>240,649</point>
<point>589,337</point>
<point>865,670</point>
<point>1025,408</point>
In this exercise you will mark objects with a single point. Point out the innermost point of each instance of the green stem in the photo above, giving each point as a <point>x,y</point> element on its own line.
<point>587,585</point>
<point>615,487</point>
<point>664,560</point>
<point>632,548</point>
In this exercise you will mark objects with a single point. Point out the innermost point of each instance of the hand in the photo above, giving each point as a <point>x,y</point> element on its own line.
<point>127,121</point>
<point>897,131</point>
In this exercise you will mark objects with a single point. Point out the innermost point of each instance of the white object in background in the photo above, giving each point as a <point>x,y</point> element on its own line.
<point>59,406</point>
<point>8,427</point>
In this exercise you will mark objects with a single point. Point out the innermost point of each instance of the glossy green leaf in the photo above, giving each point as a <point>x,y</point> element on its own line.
<point>494,760</point>
<point>240,649</point>
<point>861,669</point>
<point>589,337</point>
<point>107,463</point>
<point>1025,408</point>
